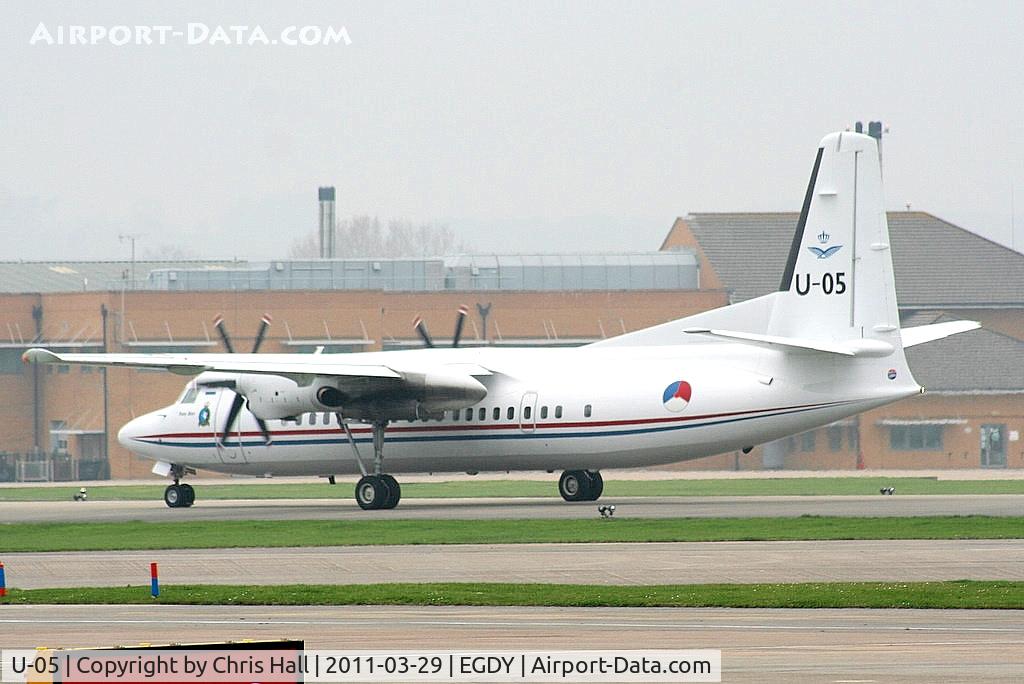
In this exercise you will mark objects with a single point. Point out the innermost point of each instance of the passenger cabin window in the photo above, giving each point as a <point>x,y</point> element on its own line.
<point>543,411</point>
<point>511,412</point>
<point>497,413</point>
<point>587,410</point>
<point>327,418</point>
<point>527,412</point>
<point>312,419</point>
<point>469,414</point>
<point>298,419</point>
<point>558,412</point>
<point>190,395</point>
<point>482,414</point>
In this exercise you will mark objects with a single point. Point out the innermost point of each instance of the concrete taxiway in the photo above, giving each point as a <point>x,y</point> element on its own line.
<point>757,645</point>
<point>651,563</point>
<point>494,508</point>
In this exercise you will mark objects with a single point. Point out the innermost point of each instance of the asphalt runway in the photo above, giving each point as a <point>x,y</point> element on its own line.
<point>650,563</point>
<point>757,645</point>
<point>493,508</point>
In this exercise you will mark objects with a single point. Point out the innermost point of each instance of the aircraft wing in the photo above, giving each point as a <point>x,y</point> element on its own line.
<point>291,366</point>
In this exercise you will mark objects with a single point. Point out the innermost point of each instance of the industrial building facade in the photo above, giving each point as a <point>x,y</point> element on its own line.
<point>60,422</point>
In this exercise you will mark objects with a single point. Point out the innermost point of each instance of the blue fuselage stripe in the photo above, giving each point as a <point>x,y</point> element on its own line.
<point>539,433</point>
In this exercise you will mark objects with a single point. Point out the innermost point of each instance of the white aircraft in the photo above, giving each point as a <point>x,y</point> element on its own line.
<point>827,345</point>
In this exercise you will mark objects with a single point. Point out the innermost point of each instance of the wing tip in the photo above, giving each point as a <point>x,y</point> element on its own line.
<point>39,355</point>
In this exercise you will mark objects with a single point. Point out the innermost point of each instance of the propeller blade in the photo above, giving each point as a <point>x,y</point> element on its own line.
<point>262,332</point>
<point>236,408</point>
<point>265,430</point>
<point>460,320</point>
<point>421,328</point>
<point>218,323</point>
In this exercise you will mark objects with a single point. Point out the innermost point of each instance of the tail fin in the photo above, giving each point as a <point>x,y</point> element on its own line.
<point>838,283</point>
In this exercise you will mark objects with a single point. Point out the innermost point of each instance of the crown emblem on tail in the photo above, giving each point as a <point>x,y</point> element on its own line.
<point>823,237</point>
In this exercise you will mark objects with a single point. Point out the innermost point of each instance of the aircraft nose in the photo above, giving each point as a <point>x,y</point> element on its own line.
<point>133,429</point>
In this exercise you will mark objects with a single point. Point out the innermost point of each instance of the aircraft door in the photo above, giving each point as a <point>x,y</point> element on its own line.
<point>232,452</point>
<point>528,412</point>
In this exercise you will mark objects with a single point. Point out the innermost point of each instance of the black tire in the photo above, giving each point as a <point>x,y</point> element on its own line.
<point>189,495</point>
<point>371,492</point>
<point>394,492</point>
<point>595,486</point>
<point>173,496</point>
<point>573,485</point>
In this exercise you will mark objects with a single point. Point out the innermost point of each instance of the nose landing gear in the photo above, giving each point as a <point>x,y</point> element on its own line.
<point>179,495</point>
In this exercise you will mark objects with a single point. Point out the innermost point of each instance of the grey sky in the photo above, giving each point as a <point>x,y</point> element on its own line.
<point>524,126</point>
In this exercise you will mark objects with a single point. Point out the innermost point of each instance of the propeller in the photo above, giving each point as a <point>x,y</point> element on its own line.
<point>460,320</point>
<point>421,328</point>
<point>239,401</point>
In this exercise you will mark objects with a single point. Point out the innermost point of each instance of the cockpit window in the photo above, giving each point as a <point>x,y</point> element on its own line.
<point>190,395</point>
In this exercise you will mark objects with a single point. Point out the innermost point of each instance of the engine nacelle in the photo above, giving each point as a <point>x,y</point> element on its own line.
<point>272,397</point>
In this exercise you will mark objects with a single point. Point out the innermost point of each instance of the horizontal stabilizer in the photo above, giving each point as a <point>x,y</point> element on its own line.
<point>859,347</point>
<point>929,333</point>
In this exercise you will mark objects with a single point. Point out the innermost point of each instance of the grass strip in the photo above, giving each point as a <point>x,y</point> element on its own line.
<point>816,486</point>
<point>955,594</point>
<point>199,534</point>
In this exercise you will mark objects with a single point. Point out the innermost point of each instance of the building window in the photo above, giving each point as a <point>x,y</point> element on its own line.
<point>807,441</point>
<point>587,410</point>
<point>11,363</point>
<point>511,412</point>
<point>853,437</point>
<point>543,411</point>
<point>915,437</point>
<point>482,414</point>
<point>86,369</point>
<point>835,437</point>
<point>558,412</point>
<point>63,369</point>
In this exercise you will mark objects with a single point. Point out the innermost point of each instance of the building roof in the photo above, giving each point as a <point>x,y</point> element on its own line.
<point>976,361</point>
<point>675,270</point>
<point>937,264</point>
<point>87,276</point>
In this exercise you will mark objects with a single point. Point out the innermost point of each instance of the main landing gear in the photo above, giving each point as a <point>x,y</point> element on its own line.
<point>179,495</point>
<point>581,485</point>
<point>378,490</point>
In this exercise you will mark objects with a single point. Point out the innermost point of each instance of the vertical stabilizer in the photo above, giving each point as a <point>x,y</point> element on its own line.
<point>838,283</point>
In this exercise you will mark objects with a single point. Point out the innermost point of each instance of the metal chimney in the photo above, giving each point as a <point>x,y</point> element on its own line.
<point>327,250</point>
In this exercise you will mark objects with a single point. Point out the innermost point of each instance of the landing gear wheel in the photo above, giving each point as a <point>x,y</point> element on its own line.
<point>595,486</point>
<point>572,485</point>
<point>179,496</point>
<point>372,492</point>
<point>394,492</point>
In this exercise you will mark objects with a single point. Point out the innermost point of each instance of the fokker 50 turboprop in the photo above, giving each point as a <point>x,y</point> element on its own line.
<point>825,346</point>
